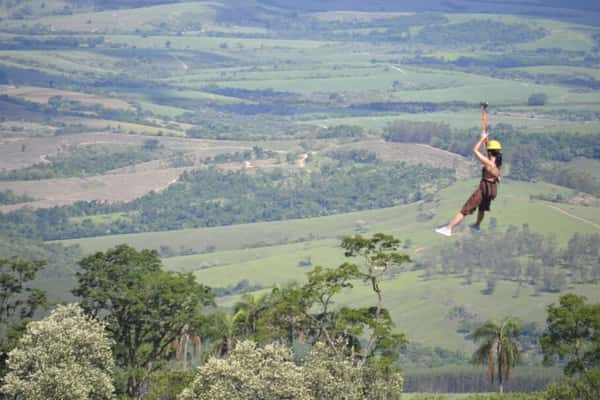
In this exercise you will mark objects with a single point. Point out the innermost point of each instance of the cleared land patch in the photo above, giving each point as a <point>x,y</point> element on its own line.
<point>109,187</point>
<point>413,153</point>
<point>42,95</point>
<point>22,152</point>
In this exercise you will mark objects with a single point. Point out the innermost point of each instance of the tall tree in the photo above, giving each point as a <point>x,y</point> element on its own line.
<point>573,335</point>
<point>17,298</point>
<point>499,349</point>
<point>18,301</point>
<point>144,308</point>
<point>310,311</point>
<point>377,257</point>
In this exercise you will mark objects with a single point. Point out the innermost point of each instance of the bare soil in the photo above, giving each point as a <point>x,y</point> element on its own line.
<point>414,154</point>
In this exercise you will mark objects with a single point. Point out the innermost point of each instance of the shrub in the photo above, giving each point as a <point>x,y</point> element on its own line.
<point>537,99</point>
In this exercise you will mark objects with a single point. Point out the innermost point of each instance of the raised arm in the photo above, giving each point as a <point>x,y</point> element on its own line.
<point>482,158</point>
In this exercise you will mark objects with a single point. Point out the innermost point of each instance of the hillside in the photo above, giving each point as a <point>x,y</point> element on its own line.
<point>243,140</point>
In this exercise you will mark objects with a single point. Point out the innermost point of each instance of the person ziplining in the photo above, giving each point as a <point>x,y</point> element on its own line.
<point>482,198</point>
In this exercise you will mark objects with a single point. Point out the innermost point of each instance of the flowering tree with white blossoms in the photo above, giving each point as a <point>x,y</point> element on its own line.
<point>64,356</point>
<point>270,373</point>
<point>250,372</point>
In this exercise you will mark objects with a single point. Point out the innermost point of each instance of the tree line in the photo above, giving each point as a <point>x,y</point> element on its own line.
<point>521,256</point>
<point>488,34</point>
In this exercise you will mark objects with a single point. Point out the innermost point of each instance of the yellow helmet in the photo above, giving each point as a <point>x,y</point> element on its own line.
<point>494,145</point>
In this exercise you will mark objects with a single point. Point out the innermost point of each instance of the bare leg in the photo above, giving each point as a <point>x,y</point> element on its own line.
<point>480,215</point>
<point>456,220</point>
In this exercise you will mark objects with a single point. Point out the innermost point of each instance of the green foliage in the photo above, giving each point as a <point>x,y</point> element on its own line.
<point>499,345</point>
<point>211,197</point>
<point>58,275</point>
<point>257,153</point>
<point>358,156</point>
<point>519,255</point>
<point>144,308</point>
<point>537,99</point>
<point>573,336</point>
<point>416,132</point>
<point>65,356</point>
<point>17,298</point>
<point>151,144</point>
<point>341,131</point>
<point>478,32</point>
<point>7,197</point>
<point>582,181</point>
<point>309,313</point>
<point>531,149</point>
<point>167,384</point>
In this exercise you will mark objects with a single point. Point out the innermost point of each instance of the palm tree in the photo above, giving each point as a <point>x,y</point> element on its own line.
<point>499,344</point>
<point>247,312</point>
<point>222,332</point>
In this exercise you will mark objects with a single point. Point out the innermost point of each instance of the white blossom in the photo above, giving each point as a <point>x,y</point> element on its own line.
<point>65,356</point>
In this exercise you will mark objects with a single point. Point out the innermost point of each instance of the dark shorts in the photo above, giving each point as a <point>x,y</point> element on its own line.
<point>481,198</point>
